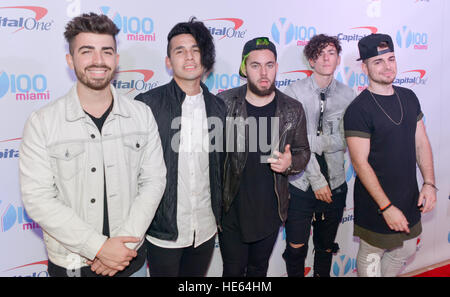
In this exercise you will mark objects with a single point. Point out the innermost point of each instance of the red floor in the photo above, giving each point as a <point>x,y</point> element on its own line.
<point>443,271</point>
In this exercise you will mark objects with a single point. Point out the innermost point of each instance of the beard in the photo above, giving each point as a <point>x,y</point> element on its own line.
<point>95,84</point>
<point>381,80</point>
<point>262,93</point>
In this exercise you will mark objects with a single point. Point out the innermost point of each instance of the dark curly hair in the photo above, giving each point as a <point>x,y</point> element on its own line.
<point>90,23</point>
<point>201,35</point>
<point>318,43</point>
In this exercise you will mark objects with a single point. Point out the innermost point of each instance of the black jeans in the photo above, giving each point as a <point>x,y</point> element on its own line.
<point>245,259</point>
<point>180,262</point>
<point>305,210</point>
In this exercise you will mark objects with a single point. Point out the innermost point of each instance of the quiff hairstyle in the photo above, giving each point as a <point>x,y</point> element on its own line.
<point>90,23</point>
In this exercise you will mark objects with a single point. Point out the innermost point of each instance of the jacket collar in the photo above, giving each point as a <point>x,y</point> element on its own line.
<point>74,111</point>
<point>241,92</point>
<point>180,95</point>
<point>327,90</point>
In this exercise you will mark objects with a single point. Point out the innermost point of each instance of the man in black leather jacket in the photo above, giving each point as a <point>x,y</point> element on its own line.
<point>181,238</point>
<point>255,193</point>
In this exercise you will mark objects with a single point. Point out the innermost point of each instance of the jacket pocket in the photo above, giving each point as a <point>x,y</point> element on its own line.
<point>135,146</point>
<point>68,158</point>
<point>332,126</point>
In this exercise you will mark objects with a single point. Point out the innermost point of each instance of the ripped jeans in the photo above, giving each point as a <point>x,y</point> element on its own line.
<point>305,210</point>
<point>376,262</point>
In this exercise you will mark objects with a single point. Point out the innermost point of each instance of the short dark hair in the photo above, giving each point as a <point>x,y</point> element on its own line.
<point>383,45</point>
<point>201,35</point>
<point>90,23</point>
<point>318,43</point>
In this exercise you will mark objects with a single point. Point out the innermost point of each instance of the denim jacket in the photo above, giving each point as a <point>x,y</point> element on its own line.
<point>332,142</point>
<point>64,161</point>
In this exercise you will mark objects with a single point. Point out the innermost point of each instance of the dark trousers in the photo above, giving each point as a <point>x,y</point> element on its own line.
<point>180,262</point>
<point>245,259</point>
<point>305,210</point>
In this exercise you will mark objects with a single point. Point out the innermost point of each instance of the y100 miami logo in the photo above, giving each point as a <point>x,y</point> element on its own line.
<point>412,78</point>
<point>225,28</point>
<point>134,80</point>
<point>284,32</point>
<point>289,77</point>
<point>356,80</point>
<point>11,216</point>
<point>357,36</point>
<point>350,172</point>
<point>135,28</point>
<point>222,81</point>
<point>17,18</point>
<point>25,87</point>
<point>343,265</point>
<point>407,38</point>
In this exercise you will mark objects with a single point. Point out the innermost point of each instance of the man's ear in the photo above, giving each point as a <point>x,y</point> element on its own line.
<point>69,60</point>
<point>168,63</point>
<point>364,68</point>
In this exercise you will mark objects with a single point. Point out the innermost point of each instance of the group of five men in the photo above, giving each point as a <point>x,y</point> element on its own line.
<point>116,183</point>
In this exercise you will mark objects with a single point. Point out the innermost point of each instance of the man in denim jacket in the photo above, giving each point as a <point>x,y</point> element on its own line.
<point>319,194</point>
<point>92,172</point>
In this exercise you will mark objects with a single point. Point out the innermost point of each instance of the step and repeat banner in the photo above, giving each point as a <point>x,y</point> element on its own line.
<point>33,72</point>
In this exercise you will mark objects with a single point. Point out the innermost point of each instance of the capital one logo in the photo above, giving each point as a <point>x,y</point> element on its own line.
<point>24,86</point>
<point>284,33</point>
<point>407,38</point>
<point>36,269</point>
<point>139,83</point>
<point>22,22</point>
<point>229,29</point>
<point>292,76</point>
<point>10,216</point>
<point>343,265</point>
<point>412,78</point>
<point>135,28</point>
<point>355,36</point>
<point>9,153</point>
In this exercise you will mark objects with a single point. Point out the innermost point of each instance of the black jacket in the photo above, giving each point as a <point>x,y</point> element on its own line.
<point>292,124</point>
<point>165,103</point>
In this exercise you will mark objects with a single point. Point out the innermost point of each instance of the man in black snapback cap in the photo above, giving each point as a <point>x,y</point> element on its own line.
<point>255,192</point>
<point>386,137</point>
<point>258,43</point>
<point>369,46</point>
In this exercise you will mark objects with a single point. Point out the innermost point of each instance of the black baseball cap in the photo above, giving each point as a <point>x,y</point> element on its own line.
<point>257,43</point>
<point>368,45</point>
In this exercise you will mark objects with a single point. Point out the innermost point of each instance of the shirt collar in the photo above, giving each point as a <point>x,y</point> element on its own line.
<point>327,90</point>
<point>74,111</point>
<point>194,98</point>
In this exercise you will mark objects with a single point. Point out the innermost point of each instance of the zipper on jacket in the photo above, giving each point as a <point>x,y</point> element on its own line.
<point>274,175</point>
<point>276,193</point>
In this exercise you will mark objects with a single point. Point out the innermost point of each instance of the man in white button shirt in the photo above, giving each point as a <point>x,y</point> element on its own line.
<point>181,239</point>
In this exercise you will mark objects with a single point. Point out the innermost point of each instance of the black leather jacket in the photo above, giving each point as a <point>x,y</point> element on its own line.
<point>292,123</point>
<point>165,103</point>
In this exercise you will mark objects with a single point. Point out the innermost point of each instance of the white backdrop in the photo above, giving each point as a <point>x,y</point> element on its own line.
<point>33,72</point>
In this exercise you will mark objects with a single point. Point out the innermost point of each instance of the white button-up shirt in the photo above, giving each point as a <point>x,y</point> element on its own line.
<point>195,219</point>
